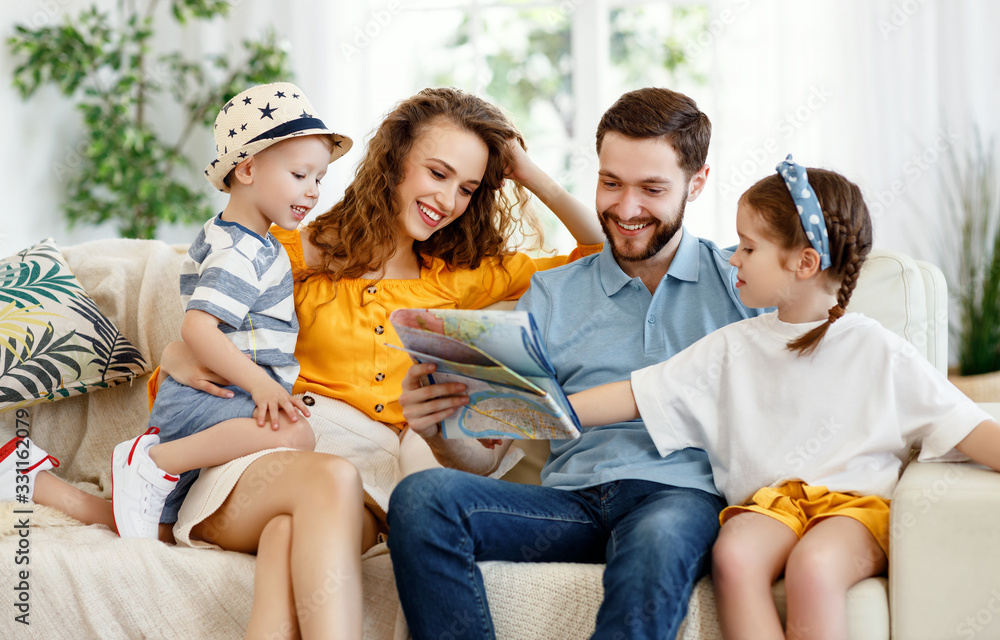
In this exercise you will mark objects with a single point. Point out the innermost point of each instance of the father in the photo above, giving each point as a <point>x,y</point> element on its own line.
<point>653,291</point>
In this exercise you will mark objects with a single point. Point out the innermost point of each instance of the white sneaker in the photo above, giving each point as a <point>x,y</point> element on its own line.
<point>138,487</point>
<point>21,457</point>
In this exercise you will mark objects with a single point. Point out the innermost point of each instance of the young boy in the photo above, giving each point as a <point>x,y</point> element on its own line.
<point>236,287</point>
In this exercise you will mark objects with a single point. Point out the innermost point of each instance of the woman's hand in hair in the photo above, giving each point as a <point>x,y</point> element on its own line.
<point>580,220</point>
<point>523,169</point>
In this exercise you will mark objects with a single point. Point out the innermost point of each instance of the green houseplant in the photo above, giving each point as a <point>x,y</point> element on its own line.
<point>129,168</point>
<point>971,201</point>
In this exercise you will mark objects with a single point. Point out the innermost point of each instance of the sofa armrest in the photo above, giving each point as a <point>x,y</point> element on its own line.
<point>944,565</point>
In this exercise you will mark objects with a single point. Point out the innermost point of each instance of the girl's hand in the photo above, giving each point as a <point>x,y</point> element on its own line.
<point>180,363</point>
<point>425,407</point>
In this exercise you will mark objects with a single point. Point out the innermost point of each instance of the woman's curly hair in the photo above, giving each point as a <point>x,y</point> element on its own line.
<point>359,234</point>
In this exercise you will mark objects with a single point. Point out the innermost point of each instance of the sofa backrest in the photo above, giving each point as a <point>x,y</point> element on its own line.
<point>134,284</point>
<point>909,297</point>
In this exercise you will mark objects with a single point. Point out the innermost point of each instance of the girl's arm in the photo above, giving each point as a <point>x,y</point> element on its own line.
<point>983,444</point>
<point>606,404</point>
<point>578,218</point>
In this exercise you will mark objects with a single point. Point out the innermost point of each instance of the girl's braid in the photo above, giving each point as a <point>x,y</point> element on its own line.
<point>851,259</point>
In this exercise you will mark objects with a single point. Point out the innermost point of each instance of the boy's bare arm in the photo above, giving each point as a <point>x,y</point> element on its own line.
<point>200,331</point>
<point>606,404</point>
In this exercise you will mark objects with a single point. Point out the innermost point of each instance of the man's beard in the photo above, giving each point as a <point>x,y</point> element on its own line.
<point>662,234</point>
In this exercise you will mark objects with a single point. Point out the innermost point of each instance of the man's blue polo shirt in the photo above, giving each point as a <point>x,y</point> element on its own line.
<point>599,325</point>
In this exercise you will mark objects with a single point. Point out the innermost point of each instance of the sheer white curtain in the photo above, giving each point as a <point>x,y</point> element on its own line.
<point>875,90</point>
<point>871,88</point>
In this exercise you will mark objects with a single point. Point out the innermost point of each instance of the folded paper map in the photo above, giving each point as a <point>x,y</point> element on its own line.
<point>498,356</point>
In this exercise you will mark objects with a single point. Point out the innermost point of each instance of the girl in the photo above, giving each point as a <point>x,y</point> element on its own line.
<point>424,224</point>
<point>825,432</point>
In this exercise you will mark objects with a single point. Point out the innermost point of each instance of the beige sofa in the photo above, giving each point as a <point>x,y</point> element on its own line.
<point>85,582</point>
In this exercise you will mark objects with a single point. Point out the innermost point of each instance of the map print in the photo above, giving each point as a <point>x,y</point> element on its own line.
<point>513,392</point>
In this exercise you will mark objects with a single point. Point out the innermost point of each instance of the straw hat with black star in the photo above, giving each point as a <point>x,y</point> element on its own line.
<point>260,117</point>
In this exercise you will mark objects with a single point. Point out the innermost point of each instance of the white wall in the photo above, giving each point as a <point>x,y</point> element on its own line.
<point>874,89</point>
<point>865,87</point>
<point>42,136</point>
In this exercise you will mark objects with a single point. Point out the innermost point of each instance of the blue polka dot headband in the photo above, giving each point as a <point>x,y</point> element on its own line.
<point>808,207</point>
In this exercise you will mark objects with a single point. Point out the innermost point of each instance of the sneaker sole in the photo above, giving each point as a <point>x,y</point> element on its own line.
<point>114,503</point>
<point>119,460</point>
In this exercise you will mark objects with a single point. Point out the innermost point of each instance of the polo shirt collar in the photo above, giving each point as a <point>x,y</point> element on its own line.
<point>684,266</point>
<point>687,260</point>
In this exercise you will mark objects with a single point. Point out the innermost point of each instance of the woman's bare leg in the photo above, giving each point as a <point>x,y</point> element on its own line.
<point>832,556</point>
<point>273,613</point>
<point>322,495</point>
<point>372,527</point>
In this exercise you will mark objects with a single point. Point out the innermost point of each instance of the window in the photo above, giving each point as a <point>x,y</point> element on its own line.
<point>554,66</point>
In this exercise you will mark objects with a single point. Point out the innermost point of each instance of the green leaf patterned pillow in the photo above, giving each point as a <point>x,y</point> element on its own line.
<point>54,341</point>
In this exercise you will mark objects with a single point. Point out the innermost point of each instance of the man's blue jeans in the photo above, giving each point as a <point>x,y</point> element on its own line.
<point>654,538</point>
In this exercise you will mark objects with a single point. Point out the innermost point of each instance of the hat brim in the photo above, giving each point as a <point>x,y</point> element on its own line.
<point>217,170</point>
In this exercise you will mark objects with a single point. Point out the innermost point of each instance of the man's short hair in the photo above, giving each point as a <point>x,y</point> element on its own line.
<point>653,113</point>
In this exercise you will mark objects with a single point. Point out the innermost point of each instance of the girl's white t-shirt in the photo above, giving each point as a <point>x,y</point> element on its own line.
<point>844,417</point>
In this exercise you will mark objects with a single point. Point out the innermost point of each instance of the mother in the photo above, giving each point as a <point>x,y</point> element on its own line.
<point>425,224</point>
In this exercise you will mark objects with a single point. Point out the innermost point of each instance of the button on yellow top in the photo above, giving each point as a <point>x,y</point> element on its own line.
<point>337,347</point>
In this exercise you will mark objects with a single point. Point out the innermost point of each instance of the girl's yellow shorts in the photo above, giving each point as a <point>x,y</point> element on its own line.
<point>801,506</point>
